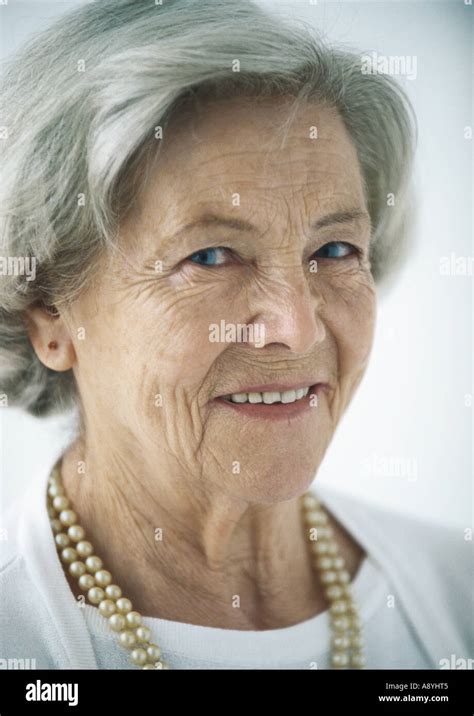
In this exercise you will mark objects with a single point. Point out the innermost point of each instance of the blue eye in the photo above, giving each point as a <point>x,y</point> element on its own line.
<point>209,257</point>
<point>336,250</point>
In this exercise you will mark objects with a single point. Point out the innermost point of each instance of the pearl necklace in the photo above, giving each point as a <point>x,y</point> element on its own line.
<point>79,556</point>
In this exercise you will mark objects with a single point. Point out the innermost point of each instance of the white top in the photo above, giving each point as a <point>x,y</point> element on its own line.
<point>414,592</point>
<point>302,646</point>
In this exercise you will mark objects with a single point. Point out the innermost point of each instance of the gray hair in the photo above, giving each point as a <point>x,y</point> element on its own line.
<point>81,104</point>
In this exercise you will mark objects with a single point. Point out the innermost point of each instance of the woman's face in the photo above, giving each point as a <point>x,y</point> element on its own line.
<point>151,367</point>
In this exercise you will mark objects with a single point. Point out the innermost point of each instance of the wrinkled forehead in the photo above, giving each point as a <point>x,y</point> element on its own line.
<point>252,155</point>
<point>240,145</point>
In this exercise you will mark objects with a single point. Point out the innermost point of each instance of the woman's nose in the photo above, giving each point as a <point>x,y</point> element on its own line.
<point>287,310</point>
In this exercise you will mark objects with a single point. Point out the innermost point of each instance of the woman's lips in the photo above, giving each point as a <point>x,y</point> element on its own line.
<point>276,411</point>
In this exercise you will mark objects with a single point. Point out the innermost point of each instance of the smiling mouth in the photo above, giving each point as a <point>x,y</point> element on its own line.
<point>270,397</point>
<point>285,404</point>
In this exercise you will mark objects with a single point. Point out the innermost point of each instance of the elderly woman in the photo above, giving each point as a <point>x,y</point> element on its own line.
<point>211,199</point>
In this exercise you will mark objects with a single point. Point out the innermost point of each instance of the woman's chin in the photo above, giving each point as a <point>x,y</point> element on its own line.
<point>275,486</point>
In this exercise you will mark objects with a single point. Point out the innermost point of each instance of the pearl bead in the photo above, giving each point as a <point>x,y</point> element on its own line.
<point>113,591</point>
<point>77,569</point>
<point>352,607</point>
<point>341,642</point>
<point>103,577</point>
<point>341,623</point>
<point>149,666</point>
<point>343,576</point>
<point>60,503</point>
<point>124,605</point>
<point>332,549</point>
<point>328,577</point>
<point>314,517</point>
<point>68,517</point>
<point>143,633</point>
<point>134,619</point>
<point>138,656</point>
<point>69,554</point>
<point>56,525</point>
<point>320,547</point>
<point>324,563</point>
<point>311,517</point>
<point>340,659</point>
<point>62,540</point>
<point>55,490</point>
<point>358,660</point>
<point>325,532</point>
<point>339,607</point>
<point>86,582</point>
<point>93,563</point>
<point>153,652</point>
<point>95,595</point>
<point>117,622</point>
<point>107,607</point>
<point>309,502</point>
<point>334,591</point>
<point>76,533</point>
<point>84,548</point>
<point>127,639</point>
<point>356,641</point>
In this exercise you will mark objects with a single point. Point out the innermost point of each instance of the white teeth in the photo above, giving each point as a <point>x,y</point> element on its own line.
<point>287,396</point>
<point>239,397</point>
<point>270,398</point>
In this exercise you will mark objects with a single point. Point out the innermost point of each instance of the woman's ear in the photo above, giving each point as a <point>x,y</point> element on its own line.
<point>50,337</point>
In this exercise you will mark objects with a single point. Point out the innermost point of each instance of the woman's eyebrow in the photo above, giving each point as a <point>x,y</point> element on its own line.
<point>211,220</point>
<point>340,217</point>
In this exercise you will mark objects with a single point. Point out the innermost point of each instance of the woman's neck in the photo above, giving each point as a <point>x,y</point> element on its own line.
<point>185,555</point>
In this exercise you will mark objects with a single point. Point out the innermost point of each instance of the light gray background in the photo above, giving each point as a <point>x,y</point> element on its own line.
<point>414,407</point>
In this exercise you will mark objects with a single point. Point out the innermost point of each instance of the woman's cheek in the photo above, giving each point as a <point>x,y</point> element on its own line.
<point>349,309</point>
<point>207,295</point>
<point>180,341</point>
